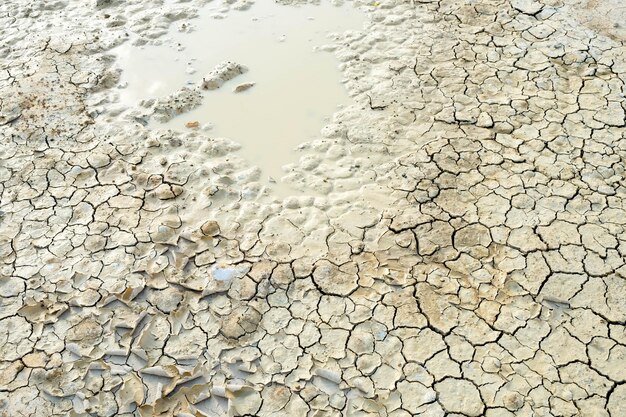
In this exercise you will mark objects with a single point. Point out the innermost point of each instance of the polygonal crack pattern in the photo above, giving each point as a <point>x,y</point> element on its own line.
<point>470,261</point>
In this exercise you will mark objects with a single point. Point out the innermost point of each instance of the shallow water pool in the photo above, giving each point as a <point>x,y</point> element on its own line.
<point>297,87</point>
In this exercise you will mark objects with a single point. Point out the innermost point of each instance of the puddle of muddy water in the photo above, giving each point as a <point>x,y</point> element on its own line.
<point>297,88</point>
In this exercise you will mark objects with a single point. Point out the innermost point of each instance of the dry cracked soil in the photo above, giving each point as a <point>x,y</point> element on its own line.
<point>463,253</point>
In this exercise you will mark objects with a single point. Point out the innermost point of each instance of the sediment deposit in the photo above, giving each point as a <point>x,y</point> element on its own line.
<point>457,248</point>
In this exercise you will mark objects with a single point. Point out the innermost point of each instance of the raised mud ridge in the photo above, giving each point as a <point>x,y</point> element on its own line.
<point>461,252</point>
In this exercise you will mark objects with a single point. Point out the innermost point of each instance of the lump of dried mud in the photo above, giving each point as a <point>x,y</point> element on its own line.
<point>221,73</point>
<point>177,103</point>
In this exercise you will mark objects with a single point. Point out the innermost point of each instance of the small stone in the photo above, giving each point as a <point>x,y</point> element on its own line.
<point>192,125</point>
<point>168,192</point>
<point>210,228</point>
<point>513,401</point>
<point>243,87</point>
<point>35,360</point>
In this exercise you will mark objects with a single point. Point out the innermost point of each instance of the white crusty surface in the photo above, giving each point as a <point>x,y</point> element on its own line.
<point>466,257</point>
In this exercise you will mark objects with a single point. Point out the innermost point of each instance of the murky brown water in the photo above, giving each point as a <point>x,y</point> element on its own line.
<point>296,87</point>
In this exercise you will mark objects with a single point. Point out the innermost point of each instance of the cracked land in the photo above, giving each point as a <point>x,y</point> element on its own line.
<point>454,245</point>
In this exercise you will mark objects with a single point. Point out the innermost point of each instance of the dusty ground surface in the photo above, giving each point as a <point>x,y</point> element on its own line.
<point>468,259</point>
<point>607,17</point>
